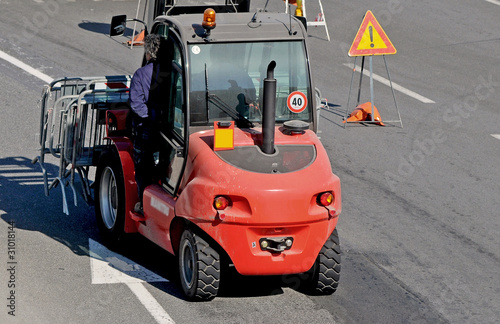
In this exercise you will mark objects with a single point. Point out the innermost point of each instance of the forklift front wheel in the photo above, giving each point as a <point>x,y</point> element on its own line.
<point>110,198</point>
<point>199,267</point>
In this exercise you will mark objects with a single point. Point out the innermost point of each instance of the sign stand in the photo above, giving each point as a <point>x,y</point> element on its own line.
<point>362,71</point>
<point>369,41</point>
<point>320,18</point>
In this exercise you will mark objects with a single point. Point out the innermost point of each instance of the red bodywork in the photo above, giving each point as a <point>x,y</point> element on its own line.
<point>262,205</point>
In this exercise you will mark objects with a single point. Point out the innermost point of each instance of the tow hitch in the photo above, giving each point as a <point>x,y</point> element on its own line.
<point>276,244</point>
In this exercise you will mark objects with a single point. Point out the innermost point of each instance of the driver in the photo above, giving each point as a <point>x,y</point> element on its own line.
<point>143,88</point>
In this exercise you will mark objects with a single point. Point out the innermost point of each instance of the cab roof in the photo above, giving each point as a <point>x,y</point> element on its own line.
<point>233,27</point>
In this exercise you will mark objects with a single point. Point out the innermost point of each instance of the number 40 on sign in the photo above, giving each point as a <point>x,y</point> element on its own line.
<point>297,102</point>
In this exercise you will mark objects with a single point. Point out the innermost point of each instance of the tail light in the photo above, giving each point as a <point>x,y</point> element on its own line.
<point>325,199</point>
<point>221,203</point>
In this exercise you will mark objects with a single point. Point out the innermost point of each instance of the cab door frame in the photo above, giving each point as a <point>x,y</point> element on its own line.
<point>174,140</point>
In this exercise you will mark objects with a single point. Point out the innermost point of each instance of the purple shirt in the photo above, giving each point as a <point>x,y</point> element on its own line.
<point>139,90</point>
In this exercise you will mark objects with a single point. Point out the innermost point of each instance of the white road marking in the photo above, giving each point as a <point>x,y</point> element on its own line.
<point>394,85</point>
<point>154,308</point>
<point>25,67</point>
<point>494,2</point>
<point>108,267</point>
<point>497,136</point>
<point>9,167</point>
<point>22,176</point>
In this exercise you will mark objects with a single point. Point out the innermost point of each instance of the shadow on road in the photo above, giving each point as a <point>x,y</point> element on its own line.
<point>22,200</point>
<point>102,28</point>
<point>333,114</point>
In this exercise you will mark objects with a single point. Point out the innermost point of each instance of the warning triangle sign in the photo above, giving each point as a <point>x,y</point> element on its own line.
<point>371,39</point>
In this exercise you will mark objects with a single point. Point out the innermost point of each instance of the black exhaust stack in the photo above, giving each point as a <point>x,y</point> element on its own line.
<point>269,110</point>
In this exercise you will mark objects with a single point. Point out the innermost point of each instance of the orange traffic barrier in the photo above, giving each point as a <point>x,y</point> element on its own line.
<point>138,39</point>
<point>363,112</point>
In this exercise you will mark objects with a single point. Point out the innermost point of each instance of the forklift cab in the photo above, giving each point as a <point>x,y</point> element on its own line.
<point>222,81</point>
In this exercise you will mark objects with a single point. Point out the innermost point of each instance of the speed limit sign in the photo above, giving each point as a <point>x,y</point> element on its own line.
<point>297,102</point>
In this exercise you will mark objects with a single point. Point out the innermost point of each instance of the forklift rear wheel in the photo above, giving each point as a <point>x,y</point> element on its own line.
<point>323,278</point>
<point>199,267</point>
<point>110,197</point>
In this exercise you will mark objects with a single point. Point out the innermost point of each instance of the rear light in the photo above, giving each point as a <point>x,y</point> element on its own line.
<point>221,203</point>
<point>111,123</point>
<point>325,199</point>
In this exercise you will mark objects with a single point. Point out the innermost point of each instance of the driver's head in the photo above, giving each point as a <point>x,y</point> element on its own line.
<point>151,46</point>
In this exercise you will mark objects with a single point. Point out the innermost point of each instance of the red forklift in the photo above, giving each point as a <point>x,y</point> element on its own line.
<point>243,179</point>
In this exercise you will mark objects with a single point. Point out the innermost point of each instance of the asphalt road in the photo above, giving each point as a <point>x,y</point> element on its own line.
<point>420,220</point>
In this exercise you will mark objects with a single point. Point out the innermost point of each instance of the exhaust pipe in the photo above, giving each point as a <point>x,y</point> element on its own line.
<point>269,110</point>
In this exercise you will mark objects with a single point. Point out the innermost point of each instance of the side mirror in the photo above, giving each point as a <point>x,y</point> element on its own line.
<point>118,25</point>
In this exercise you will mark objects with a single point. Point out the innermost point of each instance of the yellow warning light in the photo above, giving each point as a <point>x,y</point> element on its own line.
<point>208,19</point>
<point>223,135</point>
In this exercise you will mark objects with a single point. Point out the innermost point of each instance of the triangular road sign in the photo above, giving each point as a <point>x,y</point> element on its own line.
<point>371,39</point>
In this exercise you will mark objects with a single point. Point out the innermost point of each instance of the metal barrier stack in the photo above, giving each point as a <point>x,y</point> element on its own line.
<point>73,126</point>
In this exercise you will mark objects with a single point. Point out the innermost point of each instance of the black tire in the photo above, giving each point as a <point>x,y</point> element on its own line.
<point>199,267</point>
<point>109,197</point>
<point>323,277</point>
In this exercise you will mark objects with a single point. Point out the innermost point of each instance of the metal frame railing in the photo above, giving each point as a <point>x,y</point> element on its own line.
<point>73,126</point>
